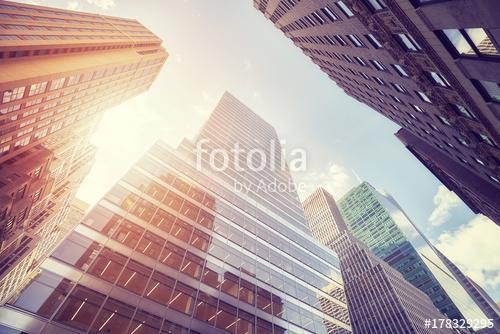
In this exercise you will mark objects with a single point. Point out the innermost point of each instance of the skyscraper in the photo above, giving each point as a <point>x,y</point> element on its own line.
<point>379,299</point>
<point>425,64</point>
<point>377,220</point>
<point>175,246</point>
<point>59,71</point>
<point>481,297</point>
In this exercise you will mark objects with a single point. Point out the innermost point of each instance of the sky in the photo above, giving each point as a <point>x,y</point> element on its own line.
<point>227,45</point>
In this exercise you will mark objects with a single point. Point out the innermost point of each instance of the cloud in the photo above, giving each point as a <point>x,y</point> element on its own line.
<point>474,249</point>
<point>103,4</point>
<point>336,179</point>
<point>445,201</point>
<point>72,5</point>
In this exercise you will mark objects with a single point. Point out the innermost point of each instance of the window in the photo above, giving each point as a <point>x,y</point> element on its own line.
<point>376,5</point>
<point>356,41</point>
<point>407,42</point>
<point>37,88</point>
<point>479,161</point>
<point>380,81</point>
<point>469,42</point>
<point>22,142</point>
<point>437,79</point>
<point>463,111</point>
<point>360,61</point>
<point>399,88</point>
<point>417,108</point>
<point>74,79</point>
<point>484,138</point>
<point>345,9</point>
<point>13,94</point>
<point>57,83</point>
<point>373,41</point>
<point>423,97</point>
<point>340,40</point>
<point>378,65</point>
<point>330,14</point>
<point>489,89</point>
<point>399,70</point>
<point>444,120</point>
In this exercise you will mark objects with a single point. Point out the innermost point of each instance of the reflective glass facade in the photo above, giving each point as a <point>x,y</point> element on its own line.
<point>377,220</point>
<point>175,249</point>
<point>380,299</point>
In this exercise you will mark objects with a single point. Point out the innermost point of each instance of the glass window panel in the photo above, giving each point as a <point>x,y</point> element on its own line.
<point>145,323</point>
<point>44,294</point>
<point>230,284</point>
<point>192,265</point>
<point>101,219</point>
<point>211,275</point>
<point>151,245</point>
<point>492,89</point>
<point>206,308</point>
<point>182,298</point>
<point>128,234</point>
<point>173,200</point>
<point>182,230</point>
<point>160,288</point>
<point>205,219</point>
<point>80,308</point>
<point>459,42</point>
<point>200,240</point>
<point>108,265</point>
<point>77,250</point>
<point>163,220</point>
<point>172,256</point>
<point>264,300</point>
<point>114,317</point>
<point>482,42</point>
<point>226,318</point>
<point>134,277</point>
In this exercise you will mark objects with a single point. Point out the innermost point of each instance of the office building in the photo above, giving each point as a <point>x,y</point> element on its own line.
<point>377,220</point>
<point>481,297</point>
<point>428,65</point>
<point>174,247</point>
<point>379,299</point>
<point>59,71</point>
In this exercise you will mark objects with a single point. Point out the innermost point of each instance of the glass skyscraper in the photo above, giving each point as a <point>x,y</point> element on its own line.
<point>174,247</point>
<point>380,300</point>
<point>378,221</point>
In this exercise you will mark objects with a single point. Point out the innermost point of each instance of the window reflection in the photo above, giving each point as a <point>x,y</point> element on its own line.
<point>134,277</point>
<point>44,294</point>
<point>182,298</point>
<point>172,256</point>
<point>114,317</point>
<point>160,288</point>
<point>77,250</point>
<point>108,265</point>
<point>80,308</point>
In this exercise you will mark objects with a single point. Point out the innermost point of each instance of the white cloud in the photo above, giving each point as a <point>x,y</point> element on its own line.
<point>474,249</point>
<point>337,180</point>
<point>103,4</point>
<point>445,201</point>
<point>72,5</point>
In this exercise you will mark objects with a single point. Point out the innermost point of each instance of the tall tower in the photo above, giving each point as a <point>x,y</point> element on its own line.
<point>59,71</point>
<point>378,221</point>
<point>177,246</point>
<point>425,64</point>
<point>380,300</point>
